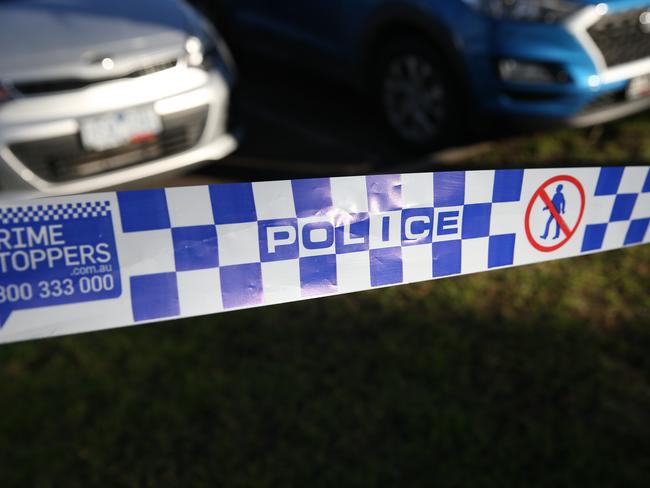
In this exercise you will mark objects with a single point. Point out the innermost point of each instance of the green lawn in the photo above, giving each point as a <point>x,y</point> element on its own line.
<point>534,376</point>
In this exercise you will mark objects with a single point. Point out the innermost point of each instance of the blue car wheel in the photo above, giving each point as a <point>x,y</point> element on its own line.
<point>416,94</point>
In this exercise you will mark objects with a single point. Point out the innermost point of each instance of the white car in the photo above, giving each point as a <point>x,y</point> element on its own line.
<point>100,93</point>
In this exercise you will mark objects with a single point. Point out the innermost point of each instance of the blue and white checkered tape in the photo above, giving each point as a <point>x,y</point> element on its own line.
<point>91,262</point>
<point>53,212</point>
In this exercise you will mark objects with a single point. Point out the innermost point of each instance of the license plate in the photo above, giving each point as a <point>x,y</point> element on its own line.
<point>112,130</point>
<point>638,87</point>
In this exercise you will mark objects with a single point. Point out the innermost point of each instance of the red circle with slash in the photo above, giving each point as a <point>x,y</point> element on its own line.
<point>542,194</point>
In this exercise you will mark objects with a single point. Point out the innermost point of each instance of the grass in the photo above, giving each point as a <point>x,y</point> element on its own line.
<point>625,142</point>
<point>533,376</point>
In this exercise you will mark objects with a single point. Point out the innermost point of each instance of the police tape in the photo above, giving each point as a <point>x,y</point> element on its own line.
<point>82,263</point>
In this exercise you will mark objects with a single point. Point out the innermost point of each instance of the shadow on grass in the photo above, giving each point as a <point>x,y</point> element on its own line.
<point>511,378</point>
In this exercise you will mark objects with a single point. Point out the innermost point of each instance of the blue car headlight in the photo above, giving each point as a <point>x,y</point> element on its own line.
<point>548,11</point>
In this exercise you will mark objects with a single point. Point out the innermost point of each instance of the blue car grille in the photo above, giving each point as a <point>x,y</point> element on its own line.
<point>620,37</point>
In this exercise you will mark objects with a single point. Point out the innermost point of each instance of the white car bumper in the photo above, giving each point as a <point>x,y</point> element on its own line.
<point>38,132</point>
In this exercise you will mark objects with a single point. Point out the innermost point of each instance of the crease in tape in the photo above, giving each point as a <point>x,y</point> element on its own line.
<point>90,262</point>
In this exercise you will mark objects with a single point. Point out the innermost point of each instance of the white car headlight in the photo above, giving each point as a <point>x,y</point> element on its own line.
<point>548,11</point>
<point>205,48</point>
<point>195,51</point>
<point>207,52</point>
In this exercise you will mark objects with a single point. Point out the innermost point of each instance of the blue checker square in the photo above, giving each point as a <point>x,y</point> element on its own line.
<point>623,206</point>
<point>417,226</point>
<point>318,275</point>
<point>447,257</point>
<point>476,220</point>
<point>354,236</point>
<point>636,232</point>
<point>233,203</point>
<point>609,180</point>
<point>142,210</point>
<point>646,185</point>
<point>195,247</point>
<point>384,192</point>
<point>501,250</point>
<point>386,266</point>
<point>241,285</point>
<point>449,189</point>
<point>312,196</point>
<point>594,237</point>
<point>507,185</point>
<point>154,296</point>
<point>278,239</point>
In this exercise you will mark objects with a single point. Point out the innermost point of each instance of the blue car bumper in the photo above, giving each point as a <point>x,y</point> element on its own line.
<point>589,90</point>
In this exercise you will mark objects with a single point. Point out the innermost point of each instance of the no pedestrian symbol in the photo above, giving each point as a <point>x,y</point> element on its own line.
<point>554,213</point>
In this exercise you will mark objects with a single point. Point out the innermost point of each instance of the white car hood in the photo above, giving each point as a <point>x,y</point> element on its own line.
<point>43,39</point>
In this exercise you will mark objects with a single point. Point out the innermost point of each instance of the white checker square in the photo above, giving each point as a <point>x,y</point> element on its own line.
<point>189,206</point>
<point>507,218</point>
<point>388,223</point>
<point>274,200</point>
<point>199,292</point>
<point>599,209</point>
<point>641,207</point>
<point>353,271</point>
<point>317,235</point>
<point>148,252</point>
<point>281,281</point>
<point>633,179</point>
<point>417,190</point>
<point>615,234</point>
<point>349,194</point>
<point>71,318</point>
<point>479,186</point>
<point>474,255</point>
<point>417,263</point>
<point>238,243</point>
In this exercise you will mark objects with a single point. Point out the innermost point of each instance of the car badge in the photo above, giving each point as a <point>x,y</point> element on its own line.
<point>105,61</point>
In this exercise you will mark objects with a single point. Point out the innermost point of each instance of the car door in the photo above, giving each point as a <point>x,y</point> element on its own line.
<point>314,33</point>
<point>313,23</point>
<point>242,18</point>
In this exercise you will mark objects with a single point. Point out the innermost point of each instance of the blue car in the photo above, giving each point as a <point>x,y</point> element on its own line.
<point>430,64</point>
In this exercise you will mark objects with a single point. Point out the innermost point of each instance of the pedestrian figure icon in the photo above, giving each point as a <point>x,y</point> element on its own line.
<point>567,221</point>
<point>559,204</point>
